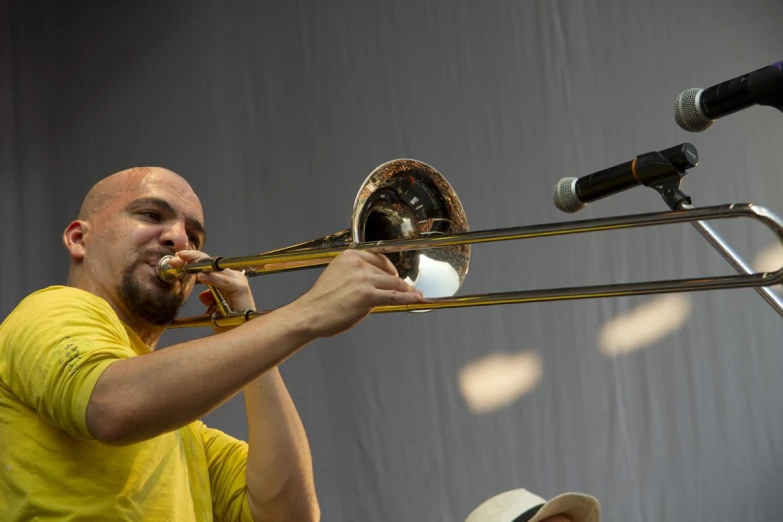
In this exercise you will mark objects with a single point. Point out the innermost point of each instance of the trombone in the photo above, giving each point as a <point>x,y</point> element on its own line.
<point>407,210</point>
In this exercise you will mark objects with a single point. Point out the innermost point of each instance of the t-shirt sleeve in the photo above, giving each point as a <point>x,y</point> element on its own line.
<point>53,349</point>
<point>227,462</point>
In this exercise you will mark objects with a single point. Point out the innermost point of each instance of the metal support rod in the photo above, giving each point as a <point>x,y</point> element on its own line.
<point>734,259</point>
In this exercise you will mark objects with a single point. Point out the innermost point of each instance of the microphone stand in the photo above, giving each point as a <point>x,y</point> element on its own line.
<point>669,189</point>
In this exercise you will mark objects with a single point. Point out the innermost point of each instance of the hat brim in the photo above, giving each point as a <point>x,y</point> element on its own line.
<point>578,507</point>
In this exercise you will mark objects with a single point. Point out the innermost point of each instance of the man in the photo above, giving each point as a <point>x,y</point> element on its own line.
<point>97,425</point>
<point>520,505</point>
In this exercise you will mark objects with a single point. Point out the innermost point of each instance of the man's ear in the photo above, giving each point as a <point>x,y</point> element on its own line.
<point>73,237</point>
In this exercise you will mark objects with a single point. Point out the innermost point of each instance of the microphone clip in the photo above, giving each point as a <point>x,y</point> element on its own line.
<point>664,176</point>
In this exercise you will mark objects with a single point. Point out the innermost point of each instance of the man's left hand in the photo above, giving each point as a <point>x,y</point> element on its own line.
<point>232,284</point>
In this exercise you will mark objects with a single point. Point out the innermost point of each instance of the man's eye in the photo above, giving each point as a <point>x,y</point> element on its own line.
<point>150,214</point>
<point>193,241</point>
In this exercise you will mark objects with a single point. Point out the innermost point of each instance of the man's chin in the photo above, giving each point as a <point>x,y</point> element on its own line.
<point>157,308</point>
<point>148,298</point>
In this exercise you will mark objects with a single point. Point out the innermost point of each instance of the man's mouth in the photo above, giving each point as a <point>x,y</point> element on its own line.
<point>153,259</point>
<point>153,266</point>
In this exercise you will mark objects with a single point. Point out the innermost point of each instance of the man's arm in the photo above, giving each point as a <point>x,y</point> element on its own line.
<point>278,467</point>
<point>142,397</point>
<point>279,474</point>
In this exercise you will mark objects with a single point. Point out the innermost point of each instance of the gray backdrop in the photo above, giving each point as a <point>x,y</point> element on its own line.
<point>666,408</point>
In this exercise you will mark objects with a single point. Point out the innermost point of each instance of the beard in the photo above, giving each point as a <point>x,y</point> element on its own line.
<point>155,303</point>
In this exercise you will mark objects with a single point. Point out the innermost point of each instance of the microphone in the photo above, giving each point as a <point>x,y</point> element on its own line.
<point>695,110</point>
<point>571,194</point>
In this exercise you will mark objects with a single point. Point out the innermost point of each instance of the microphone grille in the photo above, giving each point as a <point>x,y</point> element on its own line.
<point>564,196</point>
<point>687,114</point>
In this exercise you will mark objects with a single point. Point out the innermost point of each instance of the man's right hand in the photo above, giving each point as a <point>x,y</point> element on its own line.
<point>352,285</point>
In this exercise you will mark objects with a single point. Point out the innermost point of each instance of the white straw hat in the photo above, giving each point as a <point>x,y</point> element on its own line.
<point>520,505</point>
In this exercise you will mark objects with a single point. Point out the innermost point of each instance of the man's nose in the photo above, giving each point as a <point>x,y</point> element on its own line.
<point>176,237</point>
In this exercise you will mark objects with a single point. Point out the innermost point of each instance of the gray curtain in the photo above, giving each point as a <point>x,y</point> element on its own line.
<point>666,408</point>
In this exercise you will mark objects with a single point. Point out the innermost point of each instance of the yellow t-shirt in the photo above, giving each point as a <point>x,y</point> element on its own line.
<point>53,348</point>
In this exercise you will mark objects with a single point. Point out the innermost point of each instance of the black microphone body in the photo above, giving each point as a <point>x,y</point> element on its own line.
<point>761,87</point>
<point>646,169</point>
<point>697,109</point>
<point>652,168</point>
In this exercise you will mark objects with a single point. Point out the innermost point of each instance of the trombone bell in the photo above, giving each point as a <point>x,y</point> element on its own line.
<point>408,199</point>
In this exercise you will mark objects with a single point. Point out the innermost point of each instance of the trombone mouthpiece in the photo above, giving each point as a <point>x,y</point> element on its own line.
<point>166,272</point>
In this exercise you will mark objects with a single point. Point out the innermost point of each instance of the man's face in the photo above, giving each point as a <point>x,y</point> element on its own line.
<point>557,518</point>
<point>158,216</point>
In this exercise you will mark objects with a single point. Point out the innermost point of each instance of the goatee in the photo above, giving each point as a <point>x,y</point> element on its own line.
<point>156,305</point>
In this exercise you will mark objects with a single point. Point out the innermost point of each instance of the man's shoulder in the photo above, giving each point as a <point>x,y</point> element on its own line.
<point>54,301</point>
<point>62,294</point>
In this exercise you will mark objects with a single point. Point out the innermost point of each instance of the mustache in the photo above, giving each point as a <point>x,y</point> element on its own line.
<point>149,255</point>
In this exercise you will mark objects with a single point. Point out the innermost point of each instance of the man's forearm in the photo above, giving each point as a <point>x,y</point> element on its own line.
<point>279,467</point>
<point>142,397</point>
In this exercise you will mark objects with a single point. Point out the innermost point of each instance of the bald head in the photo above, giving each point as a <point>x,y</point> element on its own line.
<point>126,224</point>
<point>108,192</point>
